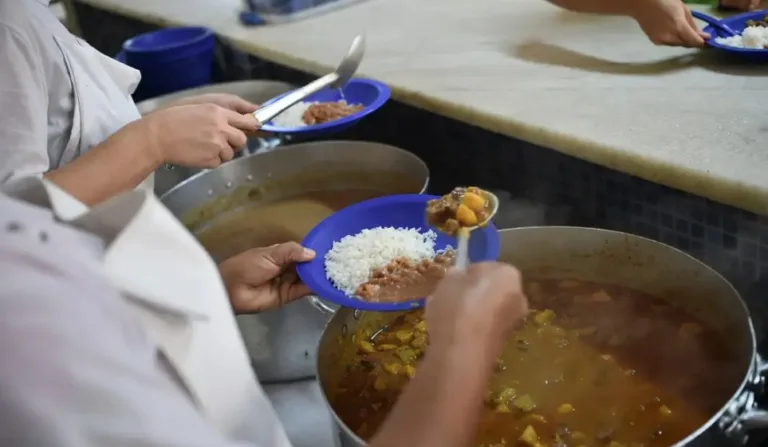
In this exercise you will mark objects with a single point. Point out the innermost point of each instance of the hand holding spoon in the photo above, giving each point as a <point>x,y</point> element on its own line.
<point>459,213</point>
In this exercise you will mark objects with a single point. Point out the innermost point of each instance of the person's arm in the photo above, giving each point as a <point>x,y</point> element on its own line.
<point>614,7</point>
<point>440,407</point>
<point>118,164</point>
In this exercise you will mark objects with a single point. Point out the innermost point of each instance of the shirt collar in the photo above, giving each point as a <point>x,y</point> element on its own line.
<point>44,2</point>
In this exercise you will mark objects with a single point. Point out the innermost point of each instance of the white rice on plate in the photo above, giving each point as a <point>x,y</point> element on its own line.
<point>292,116</point>
<point>349,263</point>
<point>755,37</point>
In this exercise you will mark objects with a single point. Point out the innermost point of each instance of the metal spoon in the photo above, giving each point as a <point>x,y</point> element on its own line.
<point>462,255</point>
<point>337,79</point>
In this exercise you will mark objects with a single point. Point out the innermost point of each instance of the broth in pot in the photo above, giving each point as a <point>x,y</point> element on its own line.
<point>594,365</point>
<point>273,222</point>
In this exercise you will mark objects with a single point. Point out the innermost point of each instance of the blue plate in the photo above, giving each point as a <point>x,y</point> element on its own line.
<point>738,23</point>
<point>399,211</point>
<point>371,94</point>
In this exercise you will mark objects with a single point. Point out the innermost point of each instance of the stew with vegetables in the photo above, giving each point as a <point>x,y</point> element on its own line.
<point>593,365</point>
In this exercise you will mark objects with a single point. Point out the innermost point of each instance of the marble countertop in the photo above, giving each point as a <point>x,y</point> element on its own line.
<point>589,86</point>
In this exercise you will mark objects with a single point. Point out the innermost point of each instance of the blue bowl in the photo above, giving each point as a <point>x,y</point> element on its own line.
<point>738,23</point>
<point>371,94</point>
<point>399,211</point>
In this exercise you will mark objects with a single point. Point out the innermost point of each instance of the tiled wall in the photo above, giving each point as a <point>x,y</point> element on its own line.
<point>553,188</point>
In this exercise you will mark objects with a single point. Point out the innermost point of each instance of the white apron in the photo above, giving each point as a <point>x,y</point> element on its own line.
<point>102,90</point>
<point>176,293</point>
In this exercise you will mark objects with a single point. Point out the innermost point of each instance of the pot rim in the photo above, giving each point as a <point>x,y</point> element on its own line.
<point>203,172</point>
<point>748,374</point>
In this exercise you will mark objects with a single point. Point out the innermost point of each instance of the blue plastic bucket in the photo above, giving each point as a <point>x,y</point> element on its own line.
<point>170,59</point>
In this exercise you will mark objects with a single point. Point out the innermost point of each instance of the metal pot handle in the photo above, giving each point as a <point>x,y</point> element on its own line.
<point>318,304</point>
<point>742,415</point>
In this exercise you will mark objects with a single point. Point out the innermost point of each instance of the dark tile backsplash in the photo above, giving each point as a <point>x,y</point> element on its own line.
<point>549,188</point>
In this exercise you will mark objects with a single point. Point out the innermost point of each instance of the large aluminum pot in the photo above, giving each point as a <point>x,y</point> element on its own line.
<point>612,257</point>
<point>282,343</point>
<point>257,92</point>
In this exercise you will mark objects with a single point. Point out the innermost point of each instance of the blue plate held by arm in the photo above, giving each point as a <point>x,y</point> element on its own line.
<point>398,211</point>
<point>371,94</point>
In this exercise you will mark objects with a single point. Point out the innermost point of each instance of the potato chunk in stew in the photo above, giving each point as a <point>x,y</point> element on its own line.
<point>595,365</point>
<point>461,208</point>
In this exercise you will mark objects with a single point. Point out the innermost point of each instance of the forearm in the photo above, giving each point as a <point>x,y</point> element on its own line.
<point>118,164</point>
<point>441,406</point>
<point>614,7</point>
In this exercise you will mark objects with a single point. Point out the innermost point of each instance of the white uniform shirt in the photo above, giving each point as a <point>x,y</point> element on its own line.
<point>115,330</point>
<point>59,96</point>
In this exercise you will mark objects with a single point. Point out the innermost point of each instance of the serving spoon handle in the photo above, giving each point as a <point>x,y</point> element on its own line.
<point>462,252</point>
<point>273,109</point>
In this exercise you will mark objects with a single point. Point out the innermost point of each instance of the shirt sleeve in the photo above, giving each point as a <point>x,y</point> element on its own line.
<point>75,371</point>
<point>24,106</point>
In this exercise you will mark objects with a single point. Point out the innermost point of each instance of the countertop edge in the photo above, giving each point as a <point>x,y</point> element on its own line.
<point>727,192</point>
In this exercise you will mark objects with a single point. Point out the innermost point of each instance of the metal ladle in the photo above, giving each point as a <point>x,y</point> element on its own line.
<point>462,255</point>
<point>337,79</point>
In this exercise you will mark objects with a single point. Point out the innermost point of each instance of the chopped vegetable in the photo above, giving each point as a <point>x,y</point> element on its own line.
<point>524,403</point>
<point>404,336</point>
<point>538,417</point>
<point>366,346</point>
<point>393,368</point>
<point>380,384</point>
<point>419,341</point>
<point>473,201</point>
<point>529,436</point>
<point>406,354</point>
<point>506,395</point>
<point>465,216</point>
<point>544,317</point>
<point>565,409</point>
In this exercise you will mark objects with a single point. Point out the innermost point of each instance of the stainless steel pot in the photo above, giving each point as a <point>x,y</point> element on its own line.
<point>257,91</point>
<point>613,257</point>
<point>282,343</point>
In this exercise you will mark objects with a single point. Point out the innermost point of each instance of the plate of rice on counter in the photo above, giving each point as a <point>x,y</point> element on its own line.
<point>381,255</point>
<point>330,110</point>
<point>752,40</point>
